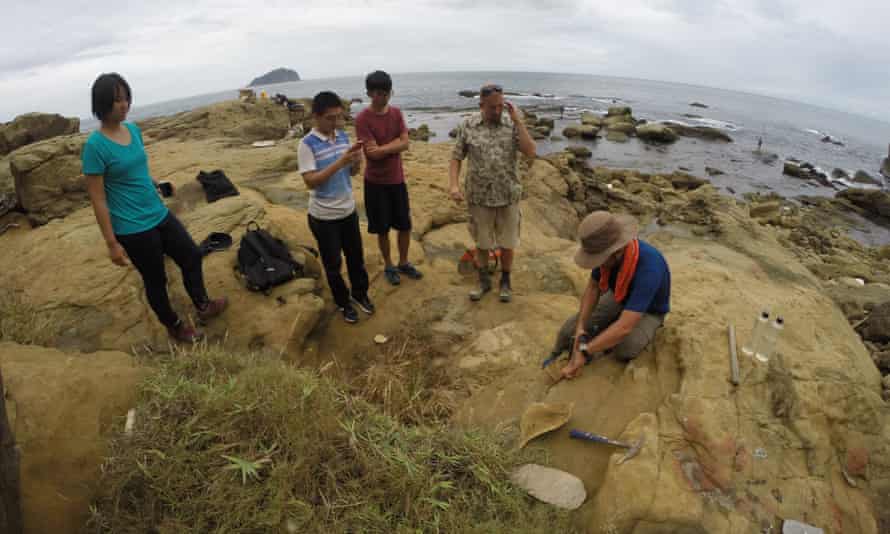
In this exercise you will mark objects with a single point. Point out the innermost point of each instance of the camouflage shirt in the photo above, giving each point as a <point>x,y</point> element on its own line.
<point>493,151</point>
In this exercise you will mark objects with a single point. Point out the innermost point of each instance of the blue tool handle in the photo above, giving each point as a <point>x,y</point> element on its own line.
<point>580,434</point>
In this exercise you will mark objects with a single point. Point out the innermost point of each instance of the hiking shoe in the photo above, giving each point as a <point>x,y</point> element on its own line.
<point>184,333</point>
<point>392,275</point>
<point>506,291</point>
<point>213,308</point>
<point>410,271</point>
<point>484,286</point>
<point>349,314</point>
<point>364,304</point>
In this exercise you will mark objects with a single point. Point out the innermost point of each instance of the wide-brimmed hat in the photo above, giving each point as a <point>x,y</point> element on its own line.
<point>601,234</point>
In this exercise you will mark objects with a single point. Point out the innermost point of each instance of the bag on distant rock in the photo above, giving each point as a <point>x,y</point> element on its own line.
<point>216,185</point>
<point>264,261</point>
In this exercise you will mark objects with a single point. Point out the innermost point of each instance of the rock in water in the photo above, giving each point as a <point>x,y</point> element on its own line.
<point>713,171</point>
<point>700,132</point>
<point>32,127</point>
<point>616,111</point>
<point>699,105</point>
<point>549,485</point>
<point>656,132</point>
<point>468,93</point>
<point>840,174</point>
<point>875,202</point>
<point>616,136</point>
<point>862,177</point>
<point>591,119</point>
<point>579,151</point>
<point>588,132</point>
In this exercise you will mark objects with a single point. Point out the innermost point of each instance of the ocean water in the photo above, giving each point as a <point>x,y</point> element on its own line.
<point>789,129</point>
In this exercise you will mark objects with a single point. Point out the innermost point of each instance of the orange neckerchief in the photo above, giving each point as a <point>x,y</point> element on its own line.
<point>625,275</point>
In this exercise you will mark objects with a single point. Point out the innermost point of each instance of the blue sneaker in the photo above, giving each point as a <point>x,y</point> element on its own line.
<point>410,271</point>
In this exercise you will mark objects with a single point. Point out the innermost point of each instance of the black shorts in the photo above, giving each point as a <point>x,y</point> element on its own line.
<point>387,207</point>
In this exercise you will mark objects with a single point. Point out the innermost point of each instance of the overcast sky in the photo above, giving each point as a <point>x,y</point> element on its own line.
<point>827,52</point>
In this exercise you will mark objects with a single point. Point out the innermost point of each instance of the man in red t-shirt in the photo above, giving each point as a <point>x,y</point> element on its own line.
<point>382,129</point>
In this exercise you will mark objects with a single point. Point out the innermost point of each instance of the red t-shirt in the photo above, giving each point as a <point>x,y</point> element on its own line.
<point>382,129</point>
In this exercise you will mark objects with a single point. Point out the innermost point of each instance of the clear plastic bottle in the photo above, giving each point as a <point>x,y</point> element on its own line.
<point>760,325</point>
<point>768,341</point>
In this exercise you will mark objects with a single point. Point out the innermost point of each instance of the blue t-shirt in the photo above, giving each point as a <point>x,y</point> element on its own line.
<point>650,289</point>
<point>133,201</point>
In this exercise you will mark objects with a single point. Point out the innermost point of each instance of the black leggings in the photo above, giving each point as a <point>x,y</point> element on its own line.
<point>336,239</point>
<point>147,249</point>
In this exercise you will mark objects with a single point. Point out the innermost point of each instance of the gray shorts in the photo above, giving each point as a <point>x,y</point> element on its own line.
<point>606,313</point>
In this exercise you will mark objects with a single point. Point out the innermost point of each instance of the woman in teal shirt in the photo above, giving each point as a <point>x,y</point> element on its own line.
<point>134,221</point>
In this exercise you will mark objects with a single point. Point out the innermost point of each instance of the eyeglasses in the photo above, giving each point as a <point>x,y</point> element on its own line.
<point>489,89</point>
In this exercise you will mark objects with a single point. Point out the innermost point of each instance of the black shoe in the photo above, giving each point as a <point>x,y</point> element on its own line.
<point>349,314</point>
<point>506,290</point>
<point>364,304</point>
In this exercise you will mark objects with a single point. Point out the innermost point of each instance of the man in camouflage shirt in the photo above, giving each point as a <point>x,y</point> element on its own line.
<point>491,140</point>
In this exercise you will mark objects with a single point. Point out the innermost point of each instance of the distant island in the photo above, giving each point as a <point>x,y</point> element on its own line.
<point>276,76</point>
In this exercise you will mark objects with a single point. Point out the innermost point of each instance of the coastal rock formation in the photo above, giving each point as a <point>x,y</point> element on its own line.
<point>421,133</point>
<point>617,136</point>
<point>862,177</point>
<point>571,131</point>
<point>805,436</point>
<point>700,132</point>
<point>589,132</point>
<point>885,167</point>
<point>8,198</point>
<point>279,75</point>
<point>874,202</point>
<point>468,93</point>
<point>48,179</point>
<point>591,119</point>
<point>108,301</point>
<point>699,105</point>
<point>805,171</point>
<point>626,128</point>
<point>840,174</point>
<point>32,127</point>
<point>656,132</point>
<point>62,406</point>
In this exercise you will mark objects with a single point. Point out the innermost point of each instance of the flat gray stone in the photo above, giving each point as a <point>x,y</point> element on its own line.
<point>549,485</point>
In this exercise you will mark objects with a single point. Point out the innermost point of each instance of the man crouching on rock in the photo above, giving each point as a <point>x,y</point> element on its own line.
<point>626,299</point>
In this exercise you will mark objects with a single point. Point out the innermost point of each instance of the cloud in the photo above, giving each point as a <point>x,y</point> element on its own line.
<point>819,51</point>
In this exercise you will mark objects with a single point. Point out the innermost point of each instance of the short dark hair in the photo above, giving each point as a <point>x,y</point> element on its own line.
<point>104,91</point>
<point>378,81</point>
<point>324,101</point>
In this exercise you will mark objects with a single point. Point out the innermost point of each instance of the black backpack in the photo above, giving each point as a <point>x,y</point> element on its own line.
<point>216,185</point>
<point>265,261</point>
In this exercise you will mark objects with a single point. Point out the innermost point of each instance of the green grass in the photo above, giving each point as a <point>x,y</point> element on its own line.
<point>243,443</point>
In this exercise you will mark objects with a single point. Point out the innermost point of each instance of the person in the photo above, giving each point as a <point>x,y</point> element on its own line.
<point>492,188</point>
<point>131,215</point>
<point>627,296</point>
<point>759,143</point>
<point>381,129</point>
<point>327,161</point>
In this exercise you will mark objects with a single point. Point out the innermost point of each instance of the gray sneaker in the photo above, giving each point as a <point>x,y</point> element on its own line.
<point>506,291</point>
<point>484,286</point>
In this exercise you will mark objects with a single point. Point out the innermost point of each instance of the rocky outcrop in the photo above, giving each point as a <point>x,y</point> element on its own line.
<point>468,93</point>
<point>700,132</point>
<point>874,202</point>
<point>62,407</point>
<point>885,168</point>
<point>658,133</point>
<point>617,136</point>
<point>805,171</point>
<point>589,132</point>
<point>8,198</point>
<point>421,133</point>
<point>48,179</point>
<point>591,119</point>
<point>33,127</point>
<point>108,303</point>
<point>698,105</point>
<point>877,326</point>
<point>862,177</point>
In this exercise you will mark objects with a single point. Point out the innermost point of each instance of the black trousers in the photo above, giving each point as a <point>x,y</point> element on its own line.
<point>336,237</point>
<point>147,249</point>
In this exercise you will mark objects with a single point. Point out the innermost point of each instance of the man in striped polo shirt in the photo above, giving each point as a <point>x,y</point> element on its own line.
<point>327,162</point>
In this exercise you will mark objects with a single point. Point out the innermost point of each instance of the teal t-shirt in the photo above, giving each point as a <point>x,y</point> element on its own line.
<point>133,201</point>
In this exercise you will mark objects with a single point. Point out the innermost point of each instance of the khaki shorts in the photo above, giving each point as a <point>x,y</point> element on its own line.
<point>495,227</point>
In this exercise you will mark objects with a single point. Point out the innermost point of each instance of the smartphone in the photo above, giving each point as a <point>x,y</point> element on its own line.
<point>166,189</point>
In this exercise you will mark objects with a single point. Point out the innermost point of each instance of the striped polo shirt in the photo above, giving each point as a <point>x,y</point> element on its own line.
<point>333,199</point>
